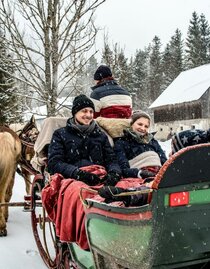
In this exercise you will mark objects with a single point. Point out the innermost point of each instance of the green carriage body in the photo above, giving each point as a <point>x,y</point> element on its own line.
<point>173,231</point>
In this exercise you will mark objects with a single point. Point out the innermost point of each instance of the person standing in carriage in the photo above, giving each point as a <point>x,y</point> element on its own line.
<point>79,156</point>
<point>109,98</point>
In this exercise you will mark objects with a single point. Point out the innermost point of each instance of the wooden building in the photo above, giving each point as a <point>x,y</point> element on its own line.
<point>185,104</point>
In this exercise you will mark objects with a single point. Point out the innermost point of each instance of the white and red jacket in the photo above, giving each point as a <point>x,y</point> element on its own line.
<point>111,100</point>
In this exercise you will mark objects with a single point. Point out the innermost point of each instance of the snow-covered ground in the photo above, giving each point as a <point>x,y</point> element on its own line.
<point>166,146</point>
<point>18,250</point>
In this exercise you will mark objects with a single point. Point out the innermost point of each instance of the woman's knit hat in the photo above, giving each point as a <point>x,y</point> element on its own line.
<point>189,138</point>
<point>103,71</point>
<point>139,114</point>
<point>81,101</point>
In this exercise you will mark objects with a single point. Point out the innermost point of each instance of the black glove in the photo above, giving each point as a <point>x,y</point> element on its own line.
<point>107,192</point>
<point>86,177</point>
<point>111,178</point>
<point>145,174</point>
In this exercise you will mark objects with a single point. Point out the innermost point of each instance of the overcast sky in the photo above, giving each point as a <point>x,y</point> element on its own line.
<point>134,23</point>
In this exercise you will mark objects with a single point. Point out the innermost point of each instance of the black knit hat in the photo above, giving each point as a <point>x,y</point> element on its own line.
<point>139,114</point>
<point>81,101</point>
<point>189,138</point>
<point>103,71</point>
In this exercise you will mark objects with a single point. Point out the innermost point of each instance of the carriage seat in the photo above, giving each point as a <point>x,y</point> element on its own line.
<point>48,127</point>
<point>189,165</point>
<point>43,140</point>
<point>113,127</point>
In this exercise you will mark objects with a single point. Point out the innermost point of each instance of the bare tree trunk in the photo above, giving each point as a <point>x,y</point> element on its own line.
<point>49,42</point>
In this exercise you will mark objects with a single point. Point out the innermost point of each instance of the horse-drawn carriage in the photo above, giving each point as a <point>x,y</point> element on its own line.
<point>171,231</point>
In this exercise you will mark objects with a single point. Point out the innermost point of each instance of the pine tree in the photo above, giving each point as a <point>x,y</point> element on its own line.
<point>107,56</point>
<point>155,69</point>
<point>172,64</point>
<point>205,39</point>
<point>118,63</point>
<point>10,108</point>
<point>167,65</point>
<point>91,67</point>
<point>140,80</point>
<point>194,43</point>
<point>121,71</point>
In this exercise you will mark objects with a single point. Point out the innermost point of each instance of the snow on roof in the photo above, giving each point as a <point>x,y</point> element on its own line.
<point>190,85</point>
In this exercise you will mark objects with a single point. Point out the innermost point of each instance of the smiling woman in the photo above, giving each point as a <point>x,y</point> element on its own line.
<point>139,153</point>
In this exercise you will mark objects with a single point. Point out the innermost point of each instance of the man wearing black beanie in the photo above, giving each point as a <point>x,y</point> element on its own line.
<point>80,155</point>
<point>80,102</point>
<point>110,99</point>
<point>82,143</point>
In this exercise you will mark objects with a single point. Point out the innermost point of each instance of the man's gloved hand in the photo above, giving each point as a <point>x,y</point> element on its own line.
<point>145,174</point>
<point>86,177</point>
<point>111,178</point>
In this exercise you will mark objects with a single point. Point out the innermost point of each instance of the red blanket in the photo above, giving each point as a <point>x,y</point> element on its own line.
<point>64,207</point>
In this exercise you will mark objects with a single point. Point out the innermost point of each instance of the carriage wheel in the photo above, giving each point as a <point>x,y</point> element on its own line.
<point>54,253</point>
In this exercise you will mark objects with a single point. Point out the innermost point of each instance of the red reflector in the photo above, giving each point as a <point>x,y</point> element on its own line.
<point>179,198</point>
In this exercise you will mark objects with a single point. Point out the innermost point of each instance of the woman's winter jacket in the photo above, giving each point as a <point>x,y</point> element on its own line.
<point>111,100</point>
<point>129,146</point>
<point>71,149</point>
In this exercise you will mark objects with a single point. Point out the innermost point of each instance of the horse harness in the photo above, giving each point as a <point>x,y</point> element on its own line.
<point>28,138</point>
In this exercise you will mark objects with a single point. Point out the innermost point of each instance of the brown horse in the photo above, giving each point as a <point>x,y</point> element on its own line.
<point>10,150</point>
<point>28,136</point>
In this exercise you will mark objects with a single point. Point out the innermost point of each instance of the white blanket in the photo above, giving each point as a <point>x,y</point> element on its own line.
<point>149,158</point>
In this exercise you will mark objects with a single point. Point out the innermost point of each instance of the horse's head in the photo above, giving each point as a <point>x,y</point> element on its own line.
<point>28,136</point>
<point>29,132</point>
